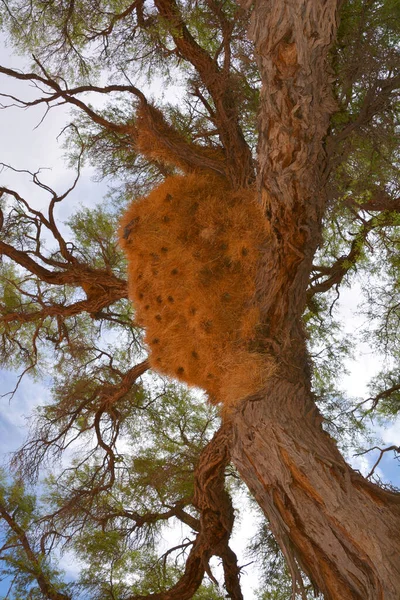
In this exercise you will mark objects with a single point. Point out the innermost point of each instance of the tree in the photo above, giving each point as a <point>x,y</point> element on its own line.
<point>326,177</point>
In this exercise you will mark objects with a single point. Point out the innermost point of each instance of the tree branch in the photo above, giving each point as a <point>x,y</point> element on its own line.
<point>158,140</point>
<point>383,395</point>
<point>376,99</point>
<point>335,273</point>
<point>148,518</point>
<point>68,95</point>
<point>78,274</point>
<point>46,586</point>
<point>220,87</point>
<point>382,451</point>
<point>52,434</point>
<point>151,134</point>
<point>216,520</point>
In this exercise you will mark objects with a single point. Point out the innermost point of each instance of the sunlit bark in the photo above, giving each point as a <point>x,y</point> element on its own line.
<point>340,529</point>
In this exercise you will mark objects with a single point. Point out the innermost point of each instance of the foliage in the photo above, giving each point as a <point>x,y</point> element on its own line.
<point>128,444</point>
<point>24,553</point>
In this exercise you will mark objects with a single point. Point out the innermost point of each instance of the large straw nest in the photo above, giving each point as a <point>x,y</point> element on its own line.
<point>193,247</point>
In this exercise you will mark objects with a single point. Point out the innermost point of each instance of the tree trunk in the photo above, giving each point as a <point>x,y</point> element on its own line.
<point>341,529</point>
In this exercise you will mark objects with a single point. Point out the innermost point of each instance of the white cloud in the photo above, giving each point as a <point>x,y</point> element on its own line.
<point>391,434</point>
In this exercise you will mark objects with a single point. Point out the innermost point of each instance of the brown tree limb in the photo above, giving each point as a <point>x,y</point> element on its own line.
<point>220,87</point>
<point>380,201</point>
<point>377,100</point>
<point>336,272</point>
<point>379,96</point>
<point>46,586</point>
<point>91,306</point>
<point>231,573</point>
<point>49,222</point>
<point>117,17</point>
<point>68,95</point>
<point>383,395</point>
<point>227,26</point>
<point>76,274</point>
<point>382,451</point>
<point>140,520</point>
<point>102,287</point>
<point>158,140</point>
<point>150,122</point>
<point>45,440</point>
<point>216,520</point>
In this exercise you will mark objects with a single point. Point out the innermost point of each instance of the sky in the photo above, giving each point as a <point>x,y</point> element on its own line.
<point>26,146</point>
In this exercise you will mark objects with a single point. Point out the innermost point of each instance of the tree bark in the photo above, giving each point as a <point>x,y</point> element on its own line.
<point>329,521</point>
<point>341,529</point>
<point>292,40</point>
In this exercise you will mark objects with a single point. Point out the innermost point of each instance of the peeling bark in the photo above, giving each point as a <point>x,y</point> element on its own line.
<point>216,521</point>
<point>292,40</point>
<point>339,528</point>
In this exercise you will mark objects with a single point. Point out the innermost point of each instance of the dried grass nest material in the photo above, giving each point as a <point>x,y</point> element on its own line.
<point>193,247</point>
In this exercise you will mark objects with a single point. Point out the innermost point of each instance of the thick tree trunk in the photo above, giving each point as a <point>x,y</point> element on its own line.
<point>292,40</point>
<point>341,529</point>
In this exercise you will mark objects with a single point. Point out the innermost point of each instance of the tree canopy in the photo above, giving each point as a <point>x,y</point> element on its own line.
<point>297,103</point>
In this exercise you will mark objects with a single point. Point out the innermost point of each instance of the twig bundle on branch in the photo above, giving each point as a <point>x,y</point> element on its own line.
<point>193,247</point>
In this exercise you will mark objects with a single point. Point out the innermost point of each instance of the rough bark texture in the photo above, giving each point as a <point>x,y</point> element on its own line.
<point>292,40</point>
<point>340,529</point>
<point>215,525</point>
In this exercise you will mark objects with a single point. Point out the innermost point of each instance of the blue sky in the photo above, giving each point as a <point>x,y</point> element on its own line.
<point>14,412</point>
